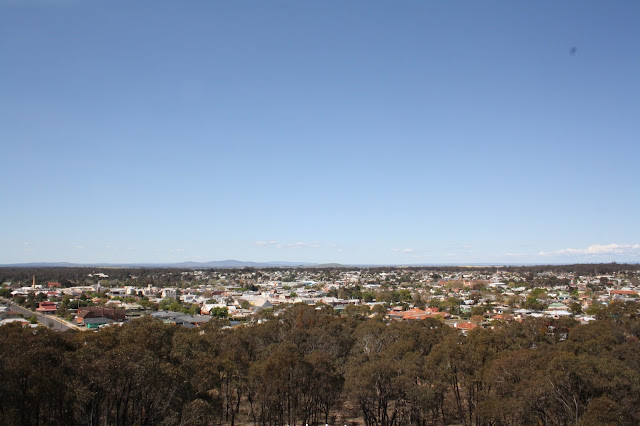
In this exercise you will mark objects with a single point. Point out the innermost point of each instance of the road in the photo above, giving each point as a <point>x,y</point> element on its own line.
<point>50,321</point>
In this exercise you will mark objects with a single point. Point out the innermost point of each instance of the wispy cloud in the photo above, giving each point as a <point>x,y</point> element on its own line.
<point>78,247</point>
<point>597,249</point>
<point>278,245</point>
<point>404,250</point>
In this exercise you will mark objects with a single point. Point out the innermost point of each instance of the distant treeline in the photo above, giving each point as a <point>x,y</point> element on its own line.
<point>311,366</point>
<point>169,276</point>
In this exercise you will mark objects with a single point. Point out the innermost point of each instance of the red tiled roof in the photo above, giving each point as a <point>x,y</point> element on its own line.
<point>47,307</point>
<point>466,325</point>
<point>413,314</point>
<point>627,292</point>
<point>98,312</point>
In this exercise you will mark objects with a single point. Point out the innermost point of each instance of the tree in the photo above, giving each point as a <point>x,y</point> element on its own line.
<point>452,304</point>
<point>368,296</point>
<point>219,312</point>
<point>534,304</point>
<point>575,308</point>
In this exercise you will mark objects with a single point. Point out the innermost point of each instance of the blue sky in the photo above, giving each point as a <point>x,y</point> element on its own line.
<point>353,132</point>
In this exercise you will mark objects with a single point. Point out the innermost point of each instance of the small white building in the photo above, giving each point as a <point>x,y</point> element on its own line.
<point>169,293</point>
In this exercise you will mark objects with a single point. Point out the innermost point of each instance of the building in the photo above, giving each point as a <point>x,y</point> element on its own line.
<point>99,312</point>
<point>47,308</point>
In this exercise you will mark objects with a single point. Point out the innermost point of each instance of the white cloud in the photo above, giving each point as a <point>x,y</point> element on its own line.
<point>266,243</point>
<point>597,249</point>
<point>404,250</point>
<point>78,247</point>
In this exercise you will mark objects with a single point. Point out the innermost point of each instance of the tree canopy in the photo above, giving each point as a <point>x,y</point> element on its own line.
<point>315,366</point>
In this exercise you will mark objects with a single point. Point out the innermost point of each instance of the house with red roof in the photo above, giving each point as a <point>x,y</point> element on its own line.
<point>92,312</point>
<point>47,308</point>
<point>465,326</point>
<point>413,314</point>
<point>628,293</point>
<point>623,295</point>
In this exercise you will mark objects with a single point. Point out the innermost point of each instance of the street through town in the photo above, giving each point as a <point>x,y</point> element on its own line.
<point>50,321</point>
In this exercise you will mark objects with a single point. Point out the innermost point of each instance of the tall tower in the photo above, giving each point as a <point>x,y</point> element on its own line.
<point>33,285</point>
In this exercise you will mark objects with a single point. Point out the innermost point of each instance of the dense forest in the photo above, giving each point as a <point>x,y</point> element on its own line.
<point>314,366</point>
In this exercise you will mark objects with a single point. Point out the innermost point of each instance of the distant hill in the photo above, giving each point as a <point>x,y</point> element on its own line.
<point>237,264</point>
<point>328,265</point>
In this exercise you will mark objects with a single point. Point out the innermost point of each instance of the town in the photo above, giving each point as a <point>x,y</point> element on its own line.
<point>462,297</point>
<point>347,346</point>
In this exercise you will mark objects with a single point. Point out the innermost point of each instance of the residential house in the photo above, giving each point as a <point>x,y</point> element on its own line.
<point>100,312</point>
<point>47,307</point>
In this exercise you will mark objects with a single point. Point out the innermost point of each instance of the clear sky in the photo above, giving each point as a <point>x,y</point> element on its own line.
<point>353,131</point>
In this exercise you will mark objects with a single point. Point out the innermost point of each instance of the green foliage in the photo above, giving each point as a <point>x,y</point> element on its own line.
<point>533,304</point>
<point>537,292</point>
<point>219,312</point>
<point>168,304</point>
<point>307,365</point>
<point>477,310</point>
<point>251,287</point>
<point>368,296</point>
<point>575,308</point>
